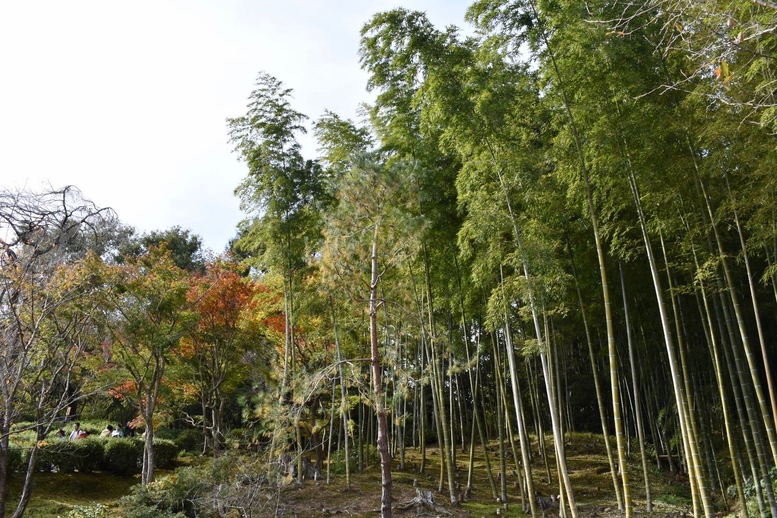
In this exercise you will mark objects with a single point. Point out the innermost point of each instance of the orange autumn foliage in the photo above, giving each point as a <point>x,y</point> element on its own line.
<point>124,389</point>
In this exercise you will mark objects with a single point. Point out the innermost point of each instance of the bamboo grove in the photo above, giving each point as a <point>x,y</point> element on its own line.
<point>563,221</point>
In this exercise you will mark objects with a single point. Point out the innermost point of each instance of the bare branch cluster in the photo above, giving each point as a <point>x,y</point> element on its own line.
<point>55,219</point>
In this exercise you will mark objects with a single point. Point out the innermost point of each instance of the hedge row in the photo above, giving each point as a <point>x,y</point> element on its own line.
<point>118,455</point>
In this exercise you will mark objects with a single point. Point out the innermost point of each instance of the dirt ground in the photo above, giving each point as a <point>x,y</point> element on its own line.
<point>589,473</point>
<point>320,500</point>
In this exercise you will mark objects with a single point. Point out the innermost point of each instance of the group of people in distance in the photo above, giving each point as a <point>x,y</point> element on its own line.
<point>109,431</point>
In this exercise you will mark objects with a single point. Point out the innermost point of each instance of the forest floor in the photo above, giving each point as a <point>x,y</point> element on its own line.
<point>55,494</point>
<point>588,469</point>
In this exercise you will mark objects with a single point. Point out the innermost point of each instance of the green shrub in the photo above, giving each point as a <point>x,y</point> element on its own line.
<point>60,455</point>
<point>91,454</point>
<point>15,456</point>
<point>139,444</point>
<point>166,433</point>
<point>120,456</point>
<point>190,440</point>
<point>151,501</point>
<point>184,493</point>
<point>83,455</point>
<point>238,438</point>
<point>89,511</point>
<point>204,490</point>
<point>165,453</point>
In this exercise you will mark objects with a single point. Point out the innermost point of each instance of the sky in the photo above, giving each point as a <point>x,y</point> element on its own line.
<point>128,101</point>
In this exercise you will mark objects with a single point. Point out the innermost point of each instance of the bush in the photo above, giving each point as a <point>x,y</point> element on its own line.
<point>151,501</point>
<point>57,454</point>
<point>187,492</point>
<point>15,464</point>
<point>165,453</point>
<point>209,489</point>
<point>190,440</point>
<point>121,456</point>
<point>238,438</point>
<point>89,511</point>
<point>166,433</point>
<point>90,456</point>
<point>83,455</point>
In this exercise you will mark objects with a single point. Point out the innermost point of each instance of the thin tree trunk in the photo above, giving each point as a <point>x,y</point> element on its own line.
<point>331,434</point>
<point>756,313</point>
<point>344,411</point>
<point>522,435</point>
<point>712,340</point>
<point>546,360</point>
<point>583,167</point>
<point>740,319</point>
<point>636,397</point>
<point>375,362</point>
<point>476,424</point>
<point>475,388</point>
<point>746,388</point>
<point>436,362</point>
<point>500,426</point>
<point>675,367</point>
<point>5,451</point>
<point>597,385</point>
<point>743,403</point>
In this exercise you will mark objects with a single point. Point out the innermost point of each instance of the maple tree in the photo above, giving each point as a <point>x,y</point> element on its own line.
<point>215,350</point>
<point>147,315</point>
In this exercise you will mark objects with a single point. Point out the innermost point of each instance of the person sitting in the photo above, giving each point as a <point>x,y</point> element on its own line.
<point>76,433</point>
<point>118,432</point>
<point>107,432</point>
<point>61,434</point>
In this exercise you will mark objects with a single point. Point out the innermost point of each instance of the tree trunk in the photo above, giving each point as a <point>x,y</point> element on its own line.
<point>500,412</point>
<point>597,385</point>
<point>148,452</point>
<point>375,362</point>
<point>522,435</point>
<point>756,313</point>
<point>740,319</point>
<point>436,361</point>
<point>675,367</point>
<point>343,400</point>
<point>636,397</point>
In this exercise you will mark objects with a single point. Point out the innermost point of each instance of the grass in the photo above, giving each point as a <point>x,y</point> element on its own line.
<point>56,494</point>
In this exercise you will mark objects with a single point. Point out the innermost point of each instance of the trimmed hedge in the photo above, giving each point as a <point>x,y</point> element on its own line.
<point>121,455</point>
<point>118,455</point>
<point>14,459</point>
<point>165,453</point>
<point>83,455</point>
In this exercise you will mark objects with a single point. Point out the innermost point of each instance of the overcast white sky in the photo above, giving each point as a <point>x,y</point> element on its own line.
<point>128,100</point>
